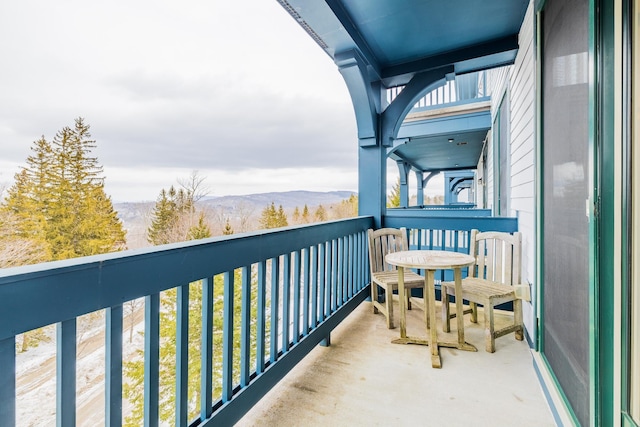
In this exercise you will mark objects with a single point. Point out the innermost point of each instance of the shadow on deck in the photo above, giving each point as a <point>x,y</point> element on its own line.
<point>363,379</point>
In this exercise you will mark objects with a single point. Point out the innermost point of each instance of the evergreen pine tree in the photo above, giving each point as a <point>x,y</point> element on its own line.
<point>58,199</point>
<point>394,196</point>
<point>295,218</point>
<point>227,228</point>
<point>321,214</point>
<point>306,216</point>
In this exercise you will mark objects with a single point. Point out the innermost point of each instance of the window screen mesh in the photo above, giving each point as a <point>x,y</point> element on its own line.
<point>566,189</point>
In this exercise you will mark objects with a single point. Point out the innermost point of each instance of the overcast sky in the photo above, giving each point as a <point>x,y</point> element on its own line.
<point>236,90</point>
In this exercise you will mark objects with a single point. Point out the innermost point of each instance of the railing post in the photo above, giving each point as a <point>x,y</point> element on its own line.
<point>182,354</point>
<point>151,359</point>
<point>227,337</point>
<point>66,373</point>
<point>8,382</point>
<point>206,381</point>
<point>113,367</point>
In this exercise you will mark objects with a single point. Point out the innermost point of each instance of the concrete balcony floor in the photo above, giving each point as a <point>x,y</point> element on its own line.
<point>363,379</point>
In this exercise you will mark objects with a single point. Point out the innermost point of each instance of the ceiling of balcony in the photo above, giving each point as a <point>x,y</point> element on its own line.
<point>399,38</point>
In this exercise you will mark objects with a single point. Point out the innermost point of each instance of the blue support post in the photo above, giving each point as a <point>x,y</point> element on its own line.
<point>113,367</point>
<point>66,373</point>
<point>182,355</point>
<point>420,187</point>
<point>206,355</point>
<point>8,382</point>
<point>151,360</point>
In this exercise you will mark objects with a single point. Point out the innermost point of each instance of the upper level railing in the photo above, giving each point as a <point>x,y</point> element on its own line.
<point>464,87</point>
<point>277,293</point>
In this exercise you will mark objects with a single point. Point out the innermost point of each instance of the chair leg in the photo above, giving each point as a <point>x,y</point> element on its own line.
<point>408,292</point>
<point>374,296</point>
<point>517,318</point>
<point>474,312</point>
<point>388,302</point>
<point>444,297</point>
<point>490,339</point>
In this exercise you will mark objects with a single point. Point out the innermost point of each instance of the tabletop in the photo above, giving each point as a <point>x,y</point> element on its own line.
<point>429,259</point>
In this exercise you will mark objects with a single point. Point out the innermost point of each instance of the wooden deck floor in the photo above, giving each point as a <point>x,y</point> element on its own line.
<point>363,379</point>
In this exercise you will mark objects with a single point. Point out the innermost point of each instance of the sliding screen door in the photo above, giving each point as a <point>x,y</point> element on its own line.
<point>565,148</point>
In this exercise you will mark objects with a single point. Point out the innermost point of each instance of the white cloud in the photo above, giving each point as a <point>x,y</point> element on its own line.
<point>234,89</point>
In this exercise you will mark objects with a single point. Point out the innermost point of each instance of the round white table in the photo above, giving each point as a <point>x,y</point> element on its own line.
<point>430,261</point>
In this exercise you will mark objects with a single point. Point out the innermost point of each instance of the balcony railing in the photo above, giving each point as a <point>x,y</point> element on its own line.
<point>307,279</point>
<point>463,89</point>
<point>283,293</point>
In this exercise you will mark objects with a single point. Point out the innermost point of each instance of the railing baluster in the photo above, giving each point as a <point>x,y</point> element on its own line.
<point>182,355</point>
<point>296,297</point>
<point>113,367</point>
<point>286,301</point>
<point>151,359</point>
<point>306,293</point>
<point>227,338</point>
<point>334,276</point>
<point>8,382</point>
<point>275,307</point>
<point>322,284</point>
<point>206,355</point>
<point>262,313</point>
<point>340,273</point>
<point>314,286</point>
<point>245,332</point>
<point>66,373</point>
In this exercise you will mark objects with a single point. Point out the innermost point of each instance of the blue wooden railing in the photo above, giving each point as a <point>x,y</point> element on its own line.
<point>308,279</point>
<point>296,285</point>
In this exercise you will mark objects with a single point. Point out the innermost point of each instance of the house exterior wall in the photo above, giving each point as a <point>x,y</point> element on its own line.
<point>518,83</point>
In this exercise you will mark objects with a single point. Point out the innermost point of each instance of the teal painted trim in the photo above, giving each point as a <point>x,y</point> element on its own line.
<point>539,189</point>
<point>8,382</point>
<point>229,413</point>
<point>628,421</point>
<point>66,373</point>
<point>206,351</point>
<point>606,241</point>
<point>594,231</point>
<point>227,337</point>
<point>546,390</point>
<point>245,327</point>
<point>627,205</point>
<point>151,360</point>
<point>113,367</point>
<point>182,355</point>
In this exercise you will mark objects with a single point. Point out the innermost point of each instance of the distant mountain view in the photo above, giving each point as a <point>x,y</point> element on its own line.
<point>136,216</point>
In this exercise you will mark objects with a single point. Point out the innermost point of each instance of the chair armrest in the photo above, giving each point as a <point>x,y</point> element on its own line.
<point>522,292</point>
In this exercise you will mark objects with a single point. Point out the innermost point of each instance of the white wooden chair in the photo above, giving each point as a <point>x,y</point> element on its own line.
<point>382,242</point>
<point>494,279</point>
